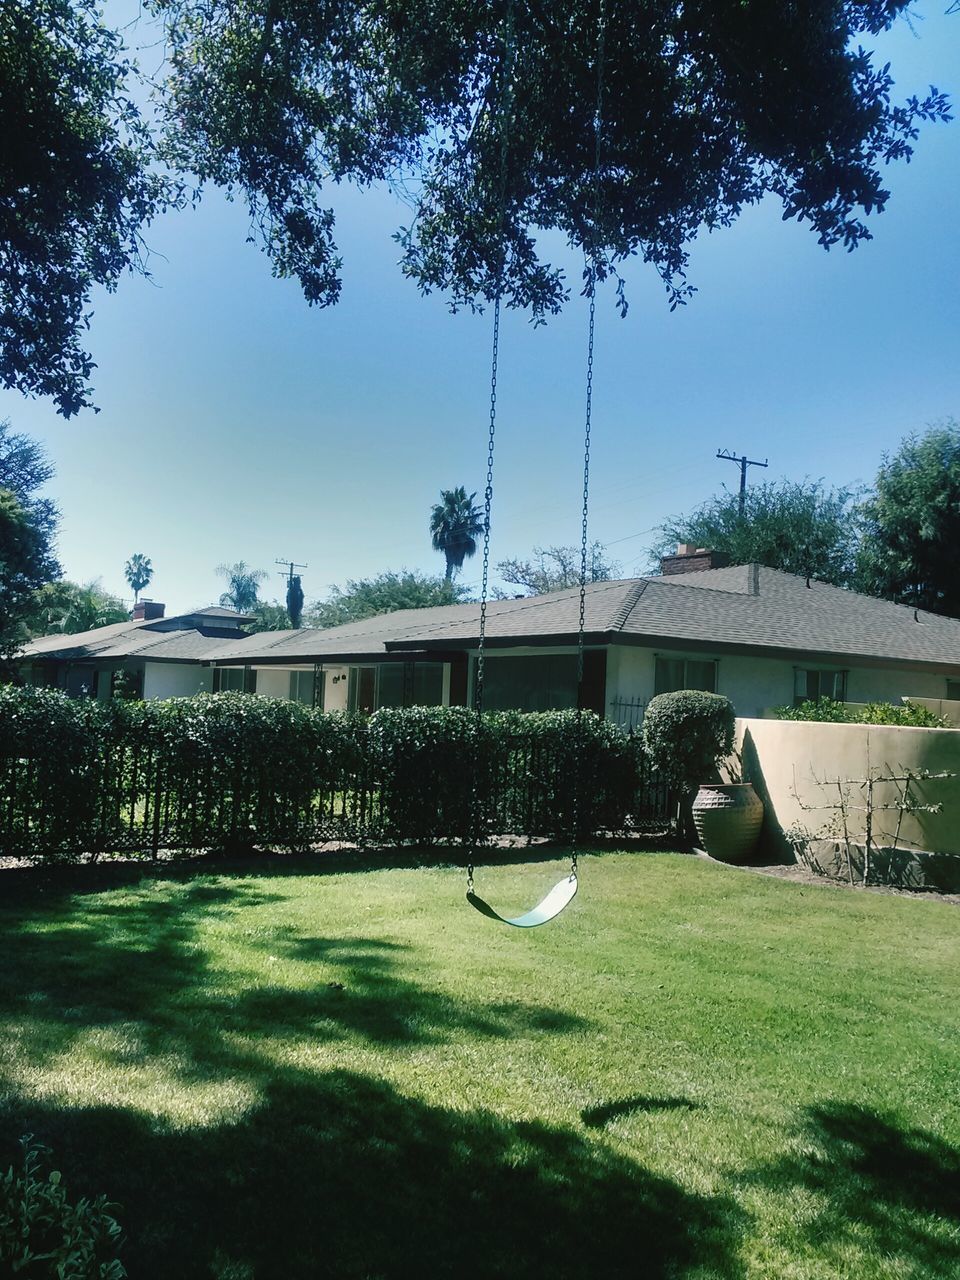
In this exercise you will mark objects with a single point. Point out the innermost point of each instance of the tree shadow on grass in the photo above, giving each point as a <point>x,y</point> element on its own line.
<point>596,1117</point>
<point>139,963</point>
<point>306,1173</point>
<point>885,1190</point>
<point>339,1175</point>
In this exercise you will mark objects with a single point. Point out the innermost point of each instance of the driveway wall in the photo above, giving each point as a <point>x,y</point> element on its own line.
<point>799,769</point>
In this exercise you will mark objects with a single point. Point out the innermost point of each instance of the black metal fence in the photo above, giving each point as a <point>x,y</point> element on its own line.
<point>229,772</point>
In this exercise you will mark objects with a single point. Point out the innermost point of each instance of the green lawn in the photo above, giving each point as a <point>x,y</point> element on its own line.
<point>693,1072</point>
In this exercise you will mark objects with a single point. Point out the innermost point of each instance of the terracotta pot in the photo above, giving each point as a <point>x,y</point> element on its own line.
<point>728,818</point>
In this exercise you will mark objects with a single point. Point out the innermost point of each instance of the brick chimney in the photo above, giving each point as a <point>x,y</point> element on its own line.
<point>690,559</point>
<point>148,610</point>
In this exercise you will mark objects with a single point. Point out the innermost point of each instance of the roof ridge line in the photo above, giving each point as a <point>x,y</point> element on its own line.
<point>695,586</point>
<point>524,602</point>
<point>628,604</point>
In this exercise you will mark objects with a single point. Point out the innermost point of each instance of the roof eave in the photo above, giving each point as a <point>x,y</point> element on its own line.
<point>788,654</point>
<point>564,638</point>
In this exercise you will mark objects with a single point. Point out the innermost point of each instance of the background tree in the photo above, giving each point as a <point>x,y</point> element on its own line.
<point>385,593</point>
<point>139,573</point>
<point>455,524</point>
<point>911,541</point>
<point>800,527</point>
<point>243,592</point>
<point>72,607</point>
<point>269,615</point>
<point>556,568</point>
<point>295,601</point>
<point>76,185</point>
<point>28,525</point>
<point>48,607</point>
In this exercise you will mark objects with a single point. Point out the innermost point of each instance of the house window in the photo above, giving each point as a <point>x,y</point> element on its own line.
<point>427,684</point>
<point>953,690</point>
<point>234,680</point>
<point>809,684</point>
<point>547,683</point>
<point>395,684</point>
<point>302,687</point>
<point>390,684</point>
<point>685,673</point>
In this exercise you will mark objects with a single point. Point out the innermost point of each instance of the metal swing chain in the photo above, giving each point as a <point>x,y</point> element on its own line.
<point>588,423</point>
<point>505,109</point>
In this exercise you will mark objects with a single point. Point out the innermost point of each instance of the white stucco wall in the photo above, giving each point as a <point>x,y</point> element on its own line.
<point>175,680</point>
<point>870,685</point>
<point>755,684</point>
<point>273,682</point>
<point>335,695</point>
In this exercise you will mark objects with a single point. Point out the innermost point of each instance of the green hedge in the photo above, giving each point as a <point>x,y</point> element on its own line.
<point>913,714</point>
<point>229,772</point>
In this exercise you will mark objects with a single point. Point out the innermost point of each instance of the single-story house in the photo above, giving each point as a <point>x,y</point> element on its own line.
<point>762,637</point>
<point>155,656</point>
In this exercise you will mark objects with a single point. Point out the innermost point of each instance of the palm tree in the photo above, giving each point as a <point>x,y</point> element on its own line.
<point>454,525</point>
<point>244,584</point>
<point>139,572</point>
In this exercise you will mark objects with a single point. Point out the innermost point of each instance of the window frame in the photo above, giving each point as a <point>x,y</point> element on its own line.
<point>836,672</point>
<point>686,659</point>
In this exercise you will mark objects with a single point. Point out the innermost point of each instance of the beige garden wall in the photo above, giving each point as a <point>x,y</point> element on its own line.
<point>795,765</point>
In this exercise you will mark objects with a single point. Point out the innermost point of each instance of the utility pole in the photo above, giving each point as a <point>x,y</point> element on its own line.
<point>294,590</point>
<point>290,566</point>
<point>742,463</point>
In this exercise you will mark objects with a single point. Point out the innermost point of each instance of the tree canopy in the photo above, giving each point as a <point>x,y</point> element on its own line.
<point>138,571</point>
<point>72,607</point>
<point>483,115</point>
<point>801,527</point>
<point>270,615</point>
<point>78,183</point>
<point>385,593</point>
<point>455,524</point>
<point>556,568</point>
<point>28,525</point>
<point>911,540</point>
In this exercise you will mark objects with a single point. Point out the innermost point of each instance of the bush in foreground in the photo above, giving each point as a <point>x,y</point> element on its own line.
<point>43,1234</point>
<point>687,733</point>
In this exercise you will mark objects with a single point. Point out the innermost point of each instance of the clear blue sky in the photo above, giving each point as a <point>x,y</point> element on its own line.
<point>236,423</point>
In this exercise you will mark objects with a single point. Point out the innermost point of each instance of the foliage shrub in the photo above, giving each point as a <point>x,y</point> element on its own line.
<point>234,771</point>
<point>42,1234</point>
<point>827,710</point>
<point>52,749</point>
<point>444,774</point>
<point>230,772</point>
<point>687,733</point>
<point>558,769</point>
<point>429,763</point>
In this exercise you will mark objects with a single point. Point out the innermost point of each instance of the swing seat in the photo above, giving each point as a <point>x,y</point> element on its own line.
<point>559,896</point>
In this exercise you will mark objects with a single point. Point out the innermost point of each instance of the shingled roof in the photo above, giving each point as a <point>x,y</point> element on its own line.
<point>745,608</point>
<point>158,638</point>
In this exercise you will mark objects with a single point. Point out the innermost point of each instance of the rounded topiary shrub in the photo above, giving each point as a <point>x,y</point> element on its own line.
<point>686,734</point>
